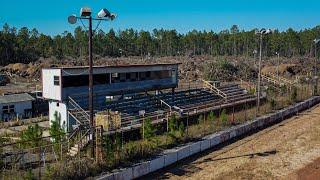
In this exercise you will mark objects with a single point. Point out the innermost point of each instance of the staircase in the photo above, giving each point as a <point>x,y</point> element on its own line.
<point>81,135</point>
<point>79,114</point>
<point>81,142</point>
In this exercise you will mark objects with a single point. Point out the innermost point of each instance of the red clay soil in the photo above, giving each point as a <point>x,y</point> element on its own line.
<point>283,151</point>
<point>309,172</point>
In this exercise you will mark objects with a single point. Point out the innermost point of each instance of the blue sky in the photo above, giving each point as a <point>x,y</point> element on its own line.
<point>50,17</point>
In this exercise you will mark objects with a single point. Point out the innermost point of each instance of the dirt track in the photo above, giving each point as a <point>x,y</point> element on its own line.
<point>284,151</point>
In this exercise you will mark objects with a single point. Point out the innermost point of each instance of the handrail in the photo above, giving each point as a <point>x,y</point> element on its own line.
<point>282,78</point>
<point>78,106</point>
<point>215,89</point>
<point>79,109</point>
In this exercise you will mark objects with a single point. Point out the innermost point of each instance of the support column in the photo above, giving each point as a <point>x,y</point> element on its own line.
<point>173,96</point>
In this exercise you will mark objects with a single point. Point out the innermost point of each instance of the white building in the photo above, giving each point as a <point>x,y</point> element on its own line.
<point>16,106</point>
<point>66,88</point>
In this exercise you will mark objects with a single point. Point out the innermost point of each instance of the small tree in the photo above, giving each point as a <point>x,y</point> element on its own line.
<point>273,103</point>
<point>56,131</point>
<point>149,130</point>
<point>173,124</point>
<point>200,119</point>
<point>294,94</point>
<point>32,136</point>
<point>224,117</point>
<point>2,142</point>
<point>211,117</point>
<point>181,129</point>
<point>29,175</point>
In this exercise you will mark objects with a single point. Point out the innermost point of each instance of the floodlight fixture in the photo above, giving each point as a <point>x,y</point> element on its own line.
<point>85,12</point>
<point>264,31</point>
<point>72,19</point>
<point>105,13</point>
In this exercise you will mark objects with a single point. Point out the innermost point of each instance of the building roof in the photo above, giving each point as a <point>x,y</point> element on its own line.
<point>14,98</point>
<point>116,66</point>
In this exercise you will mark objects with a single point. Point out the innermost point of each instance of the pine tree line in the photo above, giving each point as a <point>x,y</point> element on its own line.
<point>24,45</point>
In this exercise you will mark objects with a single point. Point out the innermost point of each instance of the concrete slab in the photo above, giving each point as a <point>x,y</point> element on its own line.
<point>123,174</point>
<point>215,140</point>
<point>141,169</point>
<point>183,152</point>
<point>205,144</point>
<point>233,132</point>
<point>157,163</point>
<point>225,136</point>
<point>195,147</point>
<point>171,156</point>
<point>106,177</point>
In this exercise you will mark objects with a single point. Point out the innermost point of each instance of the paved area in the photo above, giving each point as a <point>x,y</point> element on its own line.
<point>289,150</point>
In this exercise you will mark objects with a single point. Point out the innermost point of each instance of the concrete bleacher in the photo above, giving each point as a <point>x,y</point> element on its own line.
<point>183,100</point>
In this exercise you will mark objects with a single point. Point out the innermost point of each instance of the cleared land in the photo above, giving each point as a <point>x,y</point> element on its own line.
<point>289,150</point>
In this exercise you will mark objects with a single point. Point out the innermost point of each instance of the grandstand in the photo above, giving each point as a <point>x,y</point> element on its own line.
<point>132,93</point>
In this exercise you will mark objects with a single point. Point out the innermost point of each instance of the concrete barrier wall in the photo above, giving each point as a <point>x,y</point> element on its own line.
<point>205,144</point>
<point>141,169</point>
<point>170,157</point>
<point>195,147</point>
<point>157,163</point>
<point>183,152</point>
<point>173,155</point>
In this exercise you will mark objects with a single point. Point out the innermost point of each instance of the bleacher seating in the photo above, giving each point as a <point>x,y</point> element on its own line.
<point>185,99</point>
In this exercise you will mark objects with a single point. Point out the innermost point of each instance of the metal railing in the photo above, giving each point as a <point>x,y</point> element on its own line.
<point>214,89</point>
<point>78,109</point>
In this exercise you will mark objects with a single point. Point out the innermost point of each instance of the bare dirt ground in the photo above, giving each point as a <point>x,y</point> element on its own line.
<point>289,150</point>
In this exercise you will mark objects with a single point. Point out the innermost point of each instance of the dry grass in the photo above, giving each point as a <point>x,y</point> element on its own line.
<point>295,141</point>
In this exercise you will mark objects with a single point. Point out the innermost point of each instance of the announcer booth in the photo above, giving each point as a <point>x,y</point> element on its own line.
<point>61,84</point>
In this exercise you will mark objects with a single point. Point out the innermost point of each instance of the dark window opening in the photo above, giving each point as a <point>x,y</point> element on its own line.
<point>8,109</point>
<point>101,79</point>
<point>115,78</point>
<point>11,108</point>
<point>56,80</point>
<point>83,80</point>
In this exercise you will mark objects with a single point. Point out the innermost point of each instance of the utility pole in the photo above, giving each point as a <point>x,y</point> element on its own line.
<point>260,33</point>
<point>315,76</point>
<point>91,86</point>
<point>278,63</point>
<point>259,75</point>
<point>103,15</point>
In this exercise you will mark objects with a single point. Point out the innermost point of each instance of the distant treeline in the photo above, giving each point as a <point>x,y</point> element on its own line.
<point>24,45</point>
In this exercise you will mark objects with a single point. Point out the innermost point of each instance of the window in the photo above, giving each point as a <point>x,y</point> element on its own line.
<point>115,78</point>
<point>56,80</point>
<point>5,109</point>
<point>8,109</point>
<point>11,108</point>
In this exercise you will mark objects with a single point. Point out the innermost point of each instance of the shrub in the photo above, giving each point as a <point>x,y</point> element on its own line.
<point>149,130</point>
<point>181,129</point>
<point>173,123</point>
<point>200,119</point>
<point>273,104</point>
<point>224,117</point>
<point>29,175</point>
<point>294,94</point>
<point>32,136</point>
<point>211,117</point>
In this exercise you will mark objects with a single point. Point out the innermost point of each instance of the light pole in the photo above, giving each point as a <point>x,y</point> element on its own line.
<point>260,33</point>
<point>255,52</point>
<point>315,88</point>
<point>85,14</point>
<point>278,64</point>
